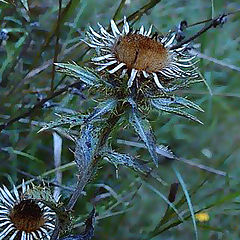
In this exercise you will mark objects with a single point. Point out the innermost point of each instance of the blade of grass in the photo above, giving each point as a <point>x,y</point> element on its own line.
<point>182,183</point>
<point>20,153</point>
<point>138,14</point>
<point>218,202</point>
<point>67,11</point>
<point>165,199</point>
<point>209,177</point>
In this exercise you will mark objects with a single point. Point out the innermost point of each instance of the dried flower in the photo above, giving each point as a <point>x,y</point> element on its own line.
<point>24,218</point>
<point>138,72</point>
<point>141,54</point>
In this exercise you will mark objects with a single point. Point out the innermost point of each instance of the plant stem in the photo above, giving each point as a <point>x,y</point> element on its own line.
<point>82,181</point>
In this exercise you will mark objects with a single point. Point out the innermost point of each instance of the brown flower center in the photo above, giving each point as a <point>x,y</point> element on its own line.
<point>141,52</point>
<point>27,216</point>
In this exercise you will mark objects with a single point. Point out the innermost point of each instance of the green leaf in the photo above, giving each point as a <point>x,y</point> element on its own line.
<point>156,103</point>
<point>178,101</point>
<point>126,160</point>
<point>180,179</point>
<point>26,155</point>
<point>81,73</point>
<point>72,120</point>
<point>4,1</point>
<point>102,109</point>
<point>160,149</point>
<point>144,130</point>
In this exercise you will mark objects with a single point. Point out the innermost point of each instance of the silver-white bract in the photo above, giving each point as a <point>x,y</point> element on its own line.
<point>7,229</point>
<point>180,64</point>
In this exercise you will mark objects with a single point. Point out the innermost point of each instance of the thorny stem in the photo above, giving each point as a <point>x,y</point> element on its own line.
<point>82,181</point>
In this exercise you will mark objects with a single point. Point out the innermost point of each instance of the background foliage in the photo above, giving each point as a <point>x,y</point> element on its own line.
<point>128,207</point>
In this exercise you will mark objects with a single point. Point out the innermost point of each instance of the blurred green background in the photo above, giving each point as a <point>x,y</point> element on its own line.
<point>132,209</point>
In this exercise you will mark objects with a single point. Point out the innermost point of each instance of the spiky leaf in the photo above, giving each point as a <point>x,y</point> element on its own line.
<point>71,120</point>
<point>176,110</point>
<point>81,73</point>
<point>126,160</point>
<point>102,109</point>
<point>165,151</point>
<point>144,130</point>
<point>187,103</point>
<point>175,100</point>
<point>161,149</point>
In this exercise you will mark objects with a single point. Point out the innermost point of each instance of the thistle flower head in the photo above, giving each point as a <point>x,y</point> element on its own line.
<point>138,72</point>
<point>23,217</point>
<point>141,55</point>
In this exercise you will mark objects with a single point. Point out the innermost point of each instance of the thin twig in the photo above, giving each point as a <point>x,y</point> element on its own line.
<point>57,33</point>
<point>211,59</point>
<point>234,95</point>
<point>191,163</point>
<point>213,23</point>
<point>42,67</point>
<point>210,19</point>
<point>37,106</point>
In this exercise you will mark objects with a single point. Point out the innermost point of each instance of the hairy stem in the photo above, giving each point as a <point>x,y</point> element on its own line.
<point>82,181</point>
